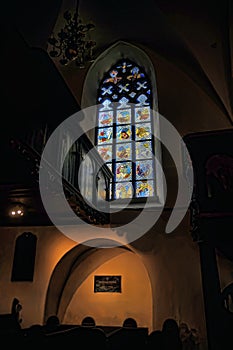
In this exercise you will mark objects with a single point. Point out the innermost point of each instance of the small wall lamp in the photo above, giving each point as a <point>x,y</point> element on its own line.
<point>16,210</point>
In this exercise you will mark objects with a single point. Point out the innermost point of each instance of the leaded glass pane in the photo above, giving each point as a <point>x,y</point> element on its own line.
<point>105,152</point>
<point>123,151</point>
<point>123,171</point>
<point>142,114</point>
<point>135,73</point>
<point>143,149</point>
<point>105,135</point>
<point>143,131</point>
<point>124,190</point>
<point>144,169</point>
<point>124,116</point>
<point>124,133</point>
<point>144,188</point>
<point>105,118</point>
<point>123,103</point>
<point>113,77</point>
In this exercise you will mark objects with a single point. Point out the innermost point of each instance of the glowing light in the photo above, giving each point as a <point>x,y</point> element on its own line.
<point>17,210</point>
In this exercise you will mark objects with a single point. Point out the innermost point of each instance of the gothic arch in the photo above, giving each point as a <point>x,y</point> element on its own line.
<point>103,63</point>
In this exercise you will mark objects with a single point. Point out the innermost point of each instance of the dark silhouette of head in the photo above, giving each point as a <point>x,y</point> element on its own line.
<point>170,326</point>
<point>88,321</point>
<point>171,334</point>
<point>130,323</point>
<point>52,323</point>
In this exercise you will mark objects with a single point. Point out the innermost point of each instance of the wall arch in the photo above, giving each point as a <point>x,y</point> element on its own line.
<point>119,50</point>
<point>72,275</point>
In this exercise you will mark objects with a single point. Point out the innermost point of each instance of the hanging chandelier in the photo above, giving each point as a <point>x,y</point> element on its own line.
<point>72,42</point>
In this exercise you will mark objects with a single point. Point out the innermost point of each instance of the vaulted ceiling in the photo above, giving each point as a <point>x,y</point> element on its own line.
<point>195,36</point>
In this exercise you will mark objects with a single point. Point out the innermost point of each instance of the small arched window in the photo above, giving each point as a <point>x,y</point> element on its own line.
<point>125,131</point>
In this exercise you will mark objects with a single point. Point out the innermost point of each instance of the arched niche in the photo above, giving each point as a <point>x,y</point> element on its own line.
<point>73,277</point>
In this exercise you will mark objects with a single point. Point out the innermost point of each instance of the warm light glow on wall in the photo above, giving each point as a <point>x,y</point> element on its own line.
<point>112,308</point>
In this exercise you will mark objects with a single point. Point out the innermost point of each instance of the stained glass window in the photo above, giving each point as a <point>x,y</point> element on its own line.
<point>124,135</point>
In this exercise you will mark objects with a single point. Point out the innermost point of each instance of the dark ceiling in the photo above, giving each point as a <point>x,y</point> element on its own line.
<point>196,36</point>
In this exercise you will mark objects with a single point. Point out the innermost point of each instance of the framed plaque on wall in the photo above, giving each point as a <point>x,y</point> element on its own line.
<point>107,284</point>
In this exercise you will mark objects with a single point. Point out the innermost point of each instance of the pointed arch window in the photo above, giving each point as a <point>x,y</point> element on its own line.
<point>125,131</point>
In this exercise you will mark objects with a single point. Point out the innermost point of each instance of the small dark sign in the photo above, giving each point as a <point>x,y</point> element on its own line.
<point>107,284</point>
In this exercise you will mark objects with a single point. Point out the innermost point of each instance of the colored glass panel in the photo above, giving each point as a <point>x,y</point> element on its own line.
<point>106,118</point>
<point>124,133</point>
<point>124,116</point>
<point>144,189</point>
<point>105,152</point>
<point>143,131</point>
<point>144,170</point>
<point>135,74</point>
<point>123,190</point>
<point>113,78</point>
<point>123,171</point>
<point>123,151</point>
<point>142,114</point>
<point>104,135</point>
<point>143,149</point>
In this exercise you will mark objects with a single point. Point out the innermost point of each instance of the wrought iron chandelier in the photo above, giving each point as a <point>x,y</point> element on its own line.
<point>72,42</point>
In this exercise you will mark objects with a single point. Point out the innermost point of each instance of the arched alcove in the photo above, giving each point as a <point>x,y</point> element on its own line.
<point>71,294</point>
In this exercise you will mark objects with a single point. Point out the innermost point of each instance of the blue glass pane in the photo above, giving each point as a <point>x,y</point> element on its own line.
<point>142,114</point>
<point>135,74</point>
<point>105,135</point>
<point>113,77</point>
<point>124,116</point>
<point>123,190</point>
<point>142,100</point>
<point>143,149</point>
<point>144,189</point>
<point>142,85</point>
<point>123,151</point>
<point>123,103</point>
<point>124,65</point>
<point>106,90</point>
<point>123,171</point>
<point>124,133</point>
<point>106,105</point>
<point>144,169</point>
<point>106,118</point>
